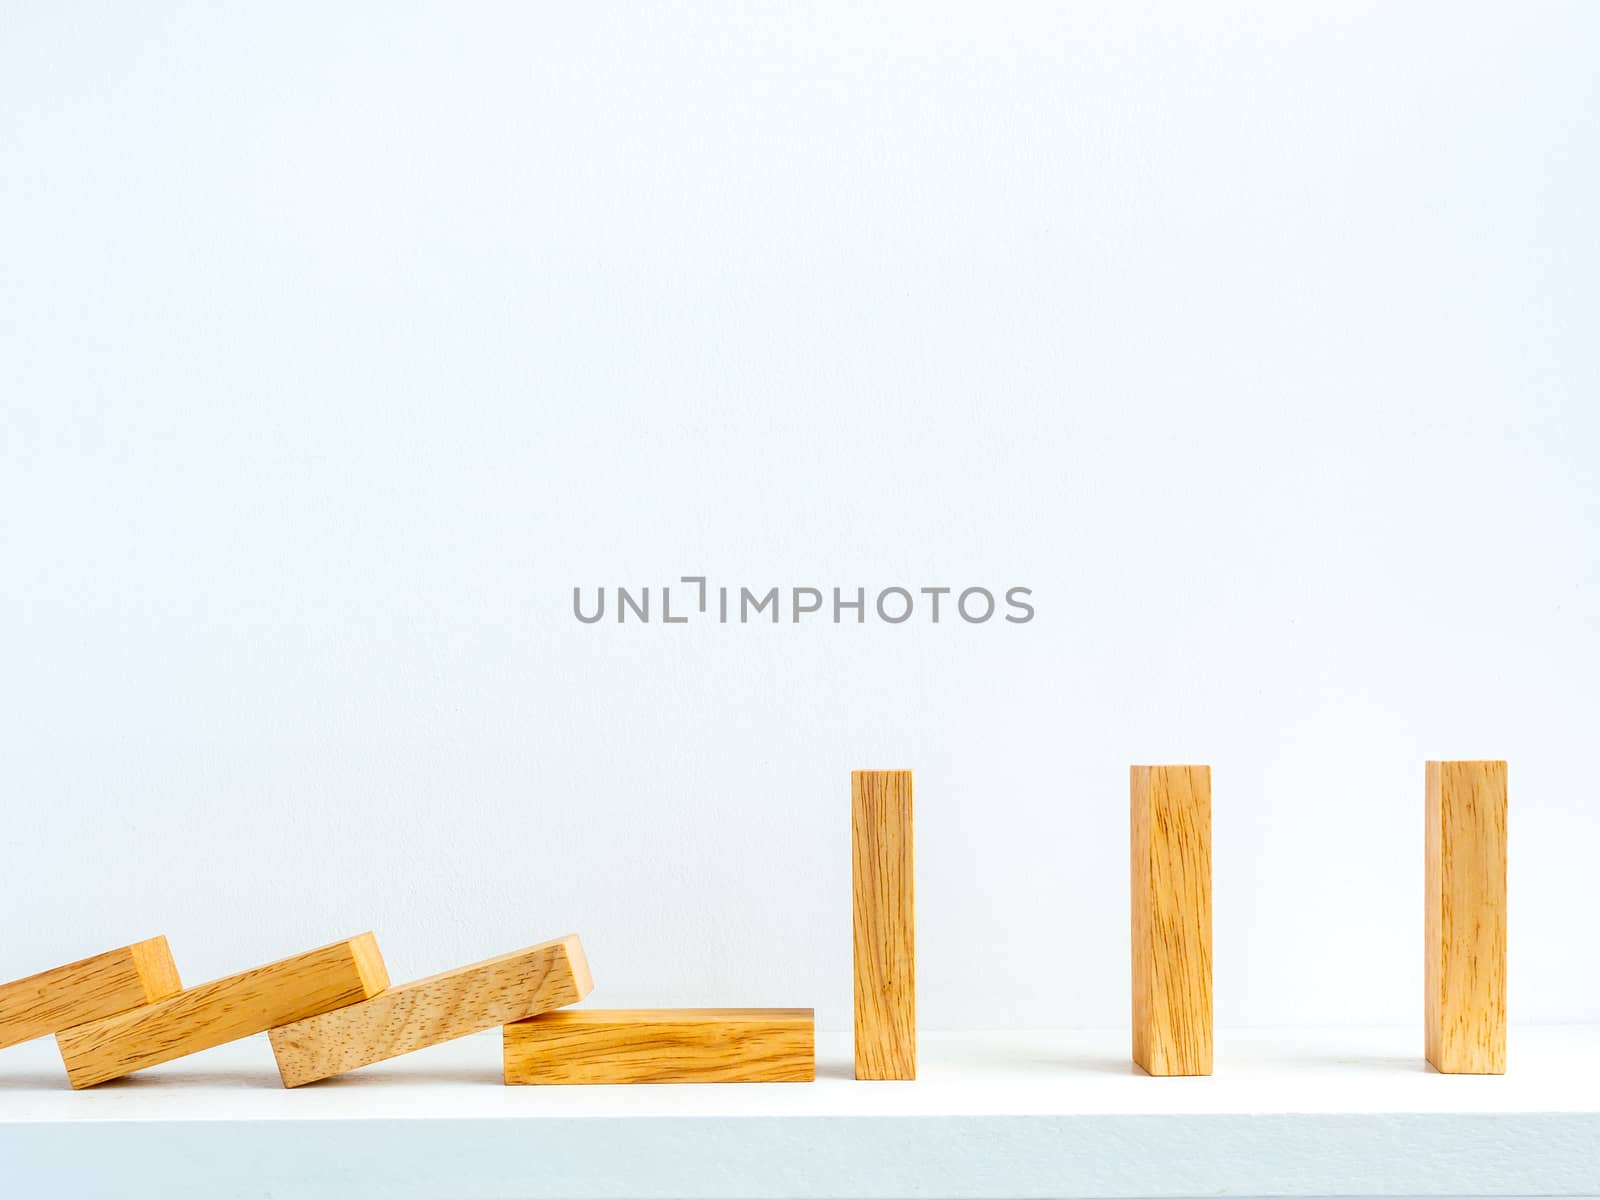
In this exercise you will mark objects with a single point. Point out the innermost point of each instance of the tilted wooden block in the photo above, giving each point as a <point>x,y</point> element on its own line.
<point>87,990</point>
<point>1171,828</point>
<point>437,1009</point>
<point>663,1045</point>
<point>1465,919</point>
<point>884,929</point>
<point>224,1010</point>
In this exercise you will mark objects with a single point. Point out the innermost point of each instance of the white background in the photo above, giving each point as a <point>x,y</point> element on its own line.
<point>336,347</point>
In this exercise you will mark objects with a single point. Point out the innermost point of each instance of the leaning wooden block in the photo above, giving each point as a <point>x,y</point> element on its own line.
<point>664,1045</point>
<point>1171,828</point>
<point>1465,918</point>
<point>883,925</point>
<point>87,990</point>
<point>224,1010</point>
<point>437,1009</point>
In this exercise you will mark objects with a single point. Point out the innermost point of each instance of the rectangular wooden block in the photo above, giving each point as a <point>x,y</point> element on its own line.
<point>664,1045</point>
<point>1171,837</point>
<point>437,1009</point>
<point>224,1010</point>
<point>87,990</point>
<point>884,929</point>
<point>1465,918</point>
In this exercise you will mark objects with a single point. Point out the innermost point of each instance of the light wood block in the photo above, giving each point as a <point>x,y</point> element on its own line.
<point>664,1045</point>
<point>1171,828</point>
<point>87,990</point>
<point>884,930</point>
<point>1465,918</point>
<point>437,1009</point>
<point>224,1010</point>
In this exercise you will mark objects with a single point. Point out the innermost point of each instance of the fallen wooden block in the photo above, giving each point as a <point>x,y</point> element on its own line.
<point>87,990</point>
<point>224,1010</point>
<point>663,1045</point>
<point>1171,835</point>
<point>883,927</point>
<point>1465,918</point>
<point>437,1009</point>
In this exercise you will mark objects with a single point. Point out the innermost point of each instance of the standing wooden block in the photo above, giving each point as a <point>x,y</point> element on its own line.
<point>884,931</point>
<point>224,1010</point>
<point>664,1045</point>
<point>1465,921</point>
<point>437,1009</point>
<point>1172,919</point>
<point>87,990</point>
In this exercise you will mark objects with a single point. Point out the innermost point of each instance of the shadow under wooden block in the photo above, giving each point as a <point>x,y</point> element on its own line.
<point>1465,918</point>
<point>663,1045</point>
<point>90,989</point>
<point>223,1010</point>
<point>883,924</point>
<point>1171,925</point>
<point>437,1009</point>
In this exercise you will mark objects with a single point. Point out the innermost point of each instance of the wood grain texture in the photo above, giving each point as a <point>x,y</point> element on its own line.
<point>1464,1011</point>
<point>87,990</point>
<point>437,1009</point>
<point>883,924</point>
<point>1171,839</point>
<point>663,1045</point>
<point>223,1010</point>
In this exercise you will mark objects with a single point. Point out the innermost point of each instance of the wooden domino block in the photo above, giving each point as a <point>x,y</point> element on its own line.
<point>1171,875</point>
<point>663,1045</point>
<point>224,1010</point>
<point>87,990</point>
<point>437,1009</point>
<point>1465,918</point>
<point>884,932</point>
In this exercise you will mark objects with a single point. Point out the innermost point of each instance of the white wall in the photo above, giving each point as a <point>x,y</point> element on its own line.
<point>337,347</point>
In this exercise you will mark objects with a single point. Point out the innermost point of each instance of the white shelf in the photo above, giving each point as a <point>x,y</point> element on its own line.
<point>1302,1113</point>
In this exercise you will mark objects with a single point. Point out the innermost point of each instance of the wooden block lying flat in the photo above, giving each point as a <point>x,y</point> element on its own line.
<point>224,1010</point>
<point>1171,826</point>
<point>87,990</point>
<point>440,1008</point>
<point>1465,920</point>
<point>664,1045</point>
<point>884,930</point>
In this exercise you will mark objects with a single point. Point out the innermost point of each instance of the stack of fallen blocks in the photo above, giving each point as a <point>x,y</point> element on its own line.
<point>332,1010</point>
